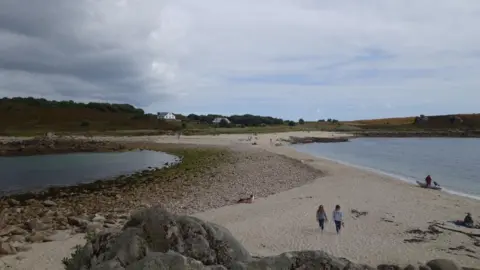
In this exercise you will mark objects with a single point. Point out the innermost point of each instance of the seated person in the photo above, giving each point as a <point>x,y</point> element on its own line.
<point>468,221</point>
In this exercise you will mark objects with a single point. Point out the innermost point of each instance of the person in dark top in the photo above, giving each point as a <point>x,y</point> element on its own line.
<point>468,221</point>
<point>428,180</point>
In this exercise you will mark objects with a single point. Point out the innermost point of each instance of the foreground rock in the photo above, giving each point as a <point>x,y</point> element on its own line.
<point>156,239</point>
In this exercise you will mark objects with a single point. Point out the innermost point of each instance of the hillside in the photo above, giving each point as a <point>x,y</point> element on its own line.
<point>435,122</point>
<point>34,116</point>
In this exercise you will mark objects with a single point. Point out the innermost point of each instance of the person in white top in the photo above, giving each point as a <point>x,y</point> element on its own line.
<point>338,218</point>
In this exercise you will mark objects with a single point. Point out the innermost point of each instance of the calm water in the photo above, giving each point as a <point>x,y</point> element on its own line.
<point>452,162</point>
<point>37,172</point>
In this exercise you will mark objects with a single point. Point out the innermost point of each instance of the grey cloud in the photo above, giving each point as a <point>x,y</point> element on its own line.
<point>68,49</point>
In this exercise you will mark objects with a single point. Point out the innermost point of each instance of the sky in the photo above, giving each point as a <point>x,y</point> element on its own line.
<point>310,59</point>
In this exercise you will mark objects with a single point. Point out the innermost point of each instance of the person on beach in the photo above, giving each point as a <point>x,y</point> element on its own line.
<point>321,217</point>
<point>428,180</point>
<point>468,221</point>
<point>338,218</point>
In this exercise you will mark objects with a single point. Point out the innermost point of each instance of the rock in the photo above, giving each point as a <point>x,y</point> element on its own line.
<point>17,238</point>
<point>310,259</point>
<point>410,267</point>
<point>7,249</point>
<point>110,221</point>
<point>37,225</point>
<point>12,230</point>
<point>388,267</point>
<point>13,202</point>
<point>155,230</point>
<point>77,221</point>
<point>94,227</point>
<point>169,260</point>
<point>98,218</point>
<point>38,237</point>
<point>49,203</point>
<point>23,248</point>
<point>443,264</point>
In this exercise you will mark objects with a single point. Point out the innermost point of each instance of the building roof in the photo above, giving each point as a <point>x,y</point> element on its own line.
<point>219,119</point>
<point>162,113</point>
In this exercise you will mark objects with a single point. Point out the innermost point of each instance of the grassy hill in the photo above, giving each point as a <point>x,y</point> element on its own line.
<point>34,116</point>
<point>31,116</point>
<point>436,122</point>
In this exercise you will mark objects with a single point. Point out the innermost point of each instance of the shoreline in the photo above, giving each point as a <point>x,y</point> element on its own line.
<point>394,177</point>
<point>380,236</point>
<point>416,134</point>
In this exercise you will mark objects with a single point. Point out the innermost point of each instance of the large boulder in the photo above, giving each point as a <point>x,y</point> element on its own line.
<point>151,235</point>
<point>310,259</point>
<point>443,264</point>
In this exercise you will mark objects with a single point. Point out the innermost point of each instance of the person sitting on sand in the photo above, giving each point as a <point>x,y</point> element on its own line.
<point>338,218</point>
<point>247,200</point>
<point>428,180</point>
<point>468,221</point>
<point>321,217</point>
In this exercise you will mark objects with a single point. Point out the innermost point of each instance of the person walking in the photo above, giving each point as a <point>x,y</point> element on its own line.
<point>338,218</point>
<point>321,217</point>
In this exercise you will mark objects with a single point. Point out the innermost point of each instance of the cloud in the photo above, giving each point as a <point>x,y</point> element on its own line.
<point>285,58</point>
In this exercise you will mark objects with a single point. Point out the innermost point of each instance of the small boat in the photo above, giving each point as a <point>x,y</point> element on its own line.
<point>424,185</point>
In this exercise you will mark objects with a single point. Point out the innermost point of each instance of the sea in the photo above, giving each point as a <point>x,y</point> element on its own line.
<point>452,162</point>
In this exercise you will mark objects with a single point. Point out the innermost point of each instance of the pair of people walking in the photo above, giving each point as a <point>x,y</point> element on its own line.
<point>337,218</point>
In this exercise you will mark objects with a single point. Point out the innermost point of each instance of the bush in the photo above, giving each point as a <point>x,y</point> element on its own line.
<point>292,124</point>
<point>301,121</point>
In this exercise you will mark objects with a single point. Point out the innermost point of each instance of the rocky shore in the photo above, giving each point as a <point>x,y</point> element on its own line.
<point>52,145</point>
<point>155,239</point>
<point>208,177</point>
<point>303,140</point>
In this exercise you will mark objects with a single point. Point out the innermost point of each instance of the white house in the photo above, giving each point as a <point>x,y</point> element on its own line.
<point>166,116</point>
<point>217,120</point>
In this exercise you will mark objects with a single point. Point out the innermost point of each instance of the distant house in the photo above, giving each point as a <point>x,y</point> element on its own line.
<point>166,116</point>
<point>217,120</point>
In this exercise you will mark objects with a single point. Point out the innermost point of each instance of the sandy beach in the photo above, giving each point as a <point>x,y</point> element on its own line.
<point>285,221</point>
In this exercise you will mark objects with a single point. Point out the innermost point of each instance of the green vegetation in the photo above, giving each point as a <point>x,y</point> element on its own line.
<point>32,116</point>
<point>456,122</point>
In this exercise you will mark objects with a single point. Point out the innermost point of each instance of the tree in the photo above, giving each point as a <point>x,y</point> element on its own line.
<point>301,121</point>
<point>291,123</point>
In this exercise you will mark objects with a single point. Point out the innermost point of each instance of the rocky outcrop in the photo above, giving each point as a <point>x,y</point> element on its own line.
<point>155,239</point>
<point>52,145</point>
<point>303,140</point>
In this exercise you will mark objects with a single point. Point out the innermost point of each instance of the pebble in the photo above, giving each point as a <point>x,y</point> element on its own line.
<point>49,203</point>
<point>7,249</point>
